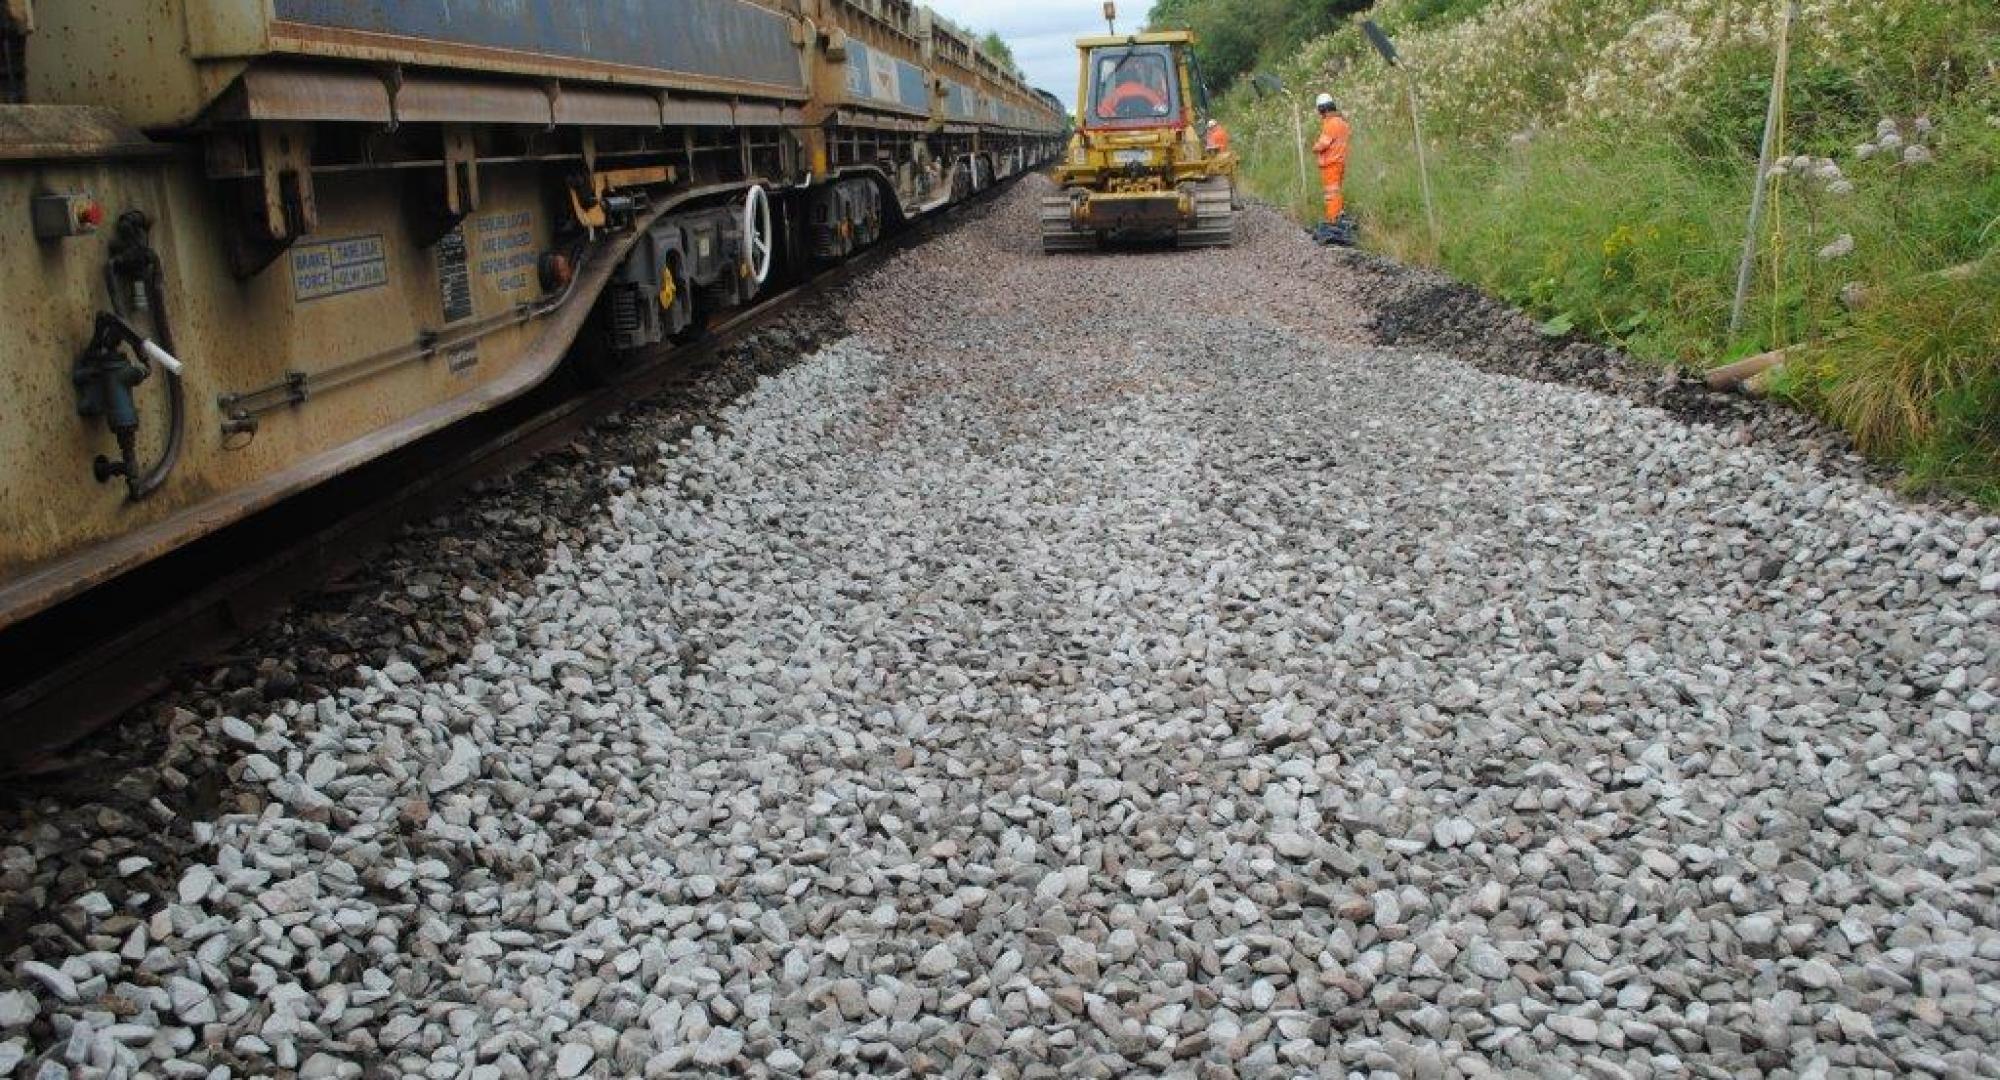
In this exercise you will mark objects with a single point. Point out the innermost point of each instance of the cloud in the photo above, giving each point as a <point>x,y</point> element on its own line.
<point>1042,33</point>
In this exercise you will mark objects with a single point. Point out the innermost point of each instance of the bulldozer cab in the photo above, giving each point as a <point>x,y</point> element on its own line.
<point>1140,81</point>
<point>1138,164</point>
<point>1132,86</point>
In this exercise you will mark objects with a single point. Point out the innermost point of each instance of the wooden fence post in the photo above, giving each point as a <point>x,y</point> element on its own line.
<point>1748,262</point>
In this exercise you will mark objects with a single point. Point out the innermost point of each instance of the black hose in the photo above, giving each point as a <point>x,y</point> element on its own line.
<point>135,258</point>
<point>170,454</point>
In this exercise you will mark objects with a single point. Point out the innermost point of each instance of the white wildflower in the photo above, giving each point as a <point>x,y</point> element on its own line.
<point>1842,246</point>
<point>1917,155</point>
<point>1634,58</point>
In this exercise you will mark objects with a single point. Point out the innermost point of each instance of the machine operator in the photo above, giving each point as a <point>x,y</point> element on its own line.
<point>1141,90</point>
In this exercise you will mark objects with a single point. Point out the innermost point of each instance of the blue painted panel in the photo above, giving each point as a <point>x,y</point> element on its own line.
<point>877,76</point>
<point>913,86</point>
<point>726,39</point>
<point>857,71</point>
<point>958,101</point>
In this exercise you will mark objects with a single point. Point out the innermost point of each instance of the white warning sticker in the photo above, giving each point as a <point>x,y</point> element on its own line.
<point>332,267</point>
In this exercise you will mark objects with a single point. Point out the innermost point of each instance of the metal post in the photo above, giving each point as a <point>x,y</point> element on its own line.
<point>1748,262</point>
<point>1299,144</point>
<point>1387,48</point>
<point>1423,166</point>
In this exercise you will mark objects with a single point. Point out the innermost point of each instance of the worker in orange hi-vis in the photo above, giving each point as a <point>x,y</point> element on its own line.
<point>1140,93</point>
<point>1331,150</point>
<point>1218,138</point>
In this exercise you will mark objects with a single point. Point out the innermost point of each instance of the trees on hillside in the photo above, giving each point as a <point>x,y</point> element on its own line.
<point>996,47</point>
<point>1233,35</point>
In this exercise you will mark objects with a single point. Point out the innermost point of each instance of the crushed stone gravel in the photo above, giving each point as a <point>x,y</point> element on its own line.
<point>1111,665</point>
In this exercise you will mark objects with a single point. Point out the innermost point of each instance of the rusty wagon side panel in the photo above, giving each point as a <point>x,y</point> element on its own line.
<point>359,212</point>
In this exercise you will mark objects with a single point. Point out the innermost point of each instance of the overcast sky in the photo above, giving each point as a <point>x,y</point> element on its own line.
<point>1043,33</point>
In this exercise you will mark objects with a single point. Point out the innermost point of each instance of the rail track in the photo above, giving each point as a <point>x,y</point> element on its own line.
<point>71,670</point>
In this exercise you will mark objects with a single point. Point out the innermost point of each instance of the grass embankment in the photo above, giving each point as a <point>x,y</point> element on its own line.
<point>1592,162</point>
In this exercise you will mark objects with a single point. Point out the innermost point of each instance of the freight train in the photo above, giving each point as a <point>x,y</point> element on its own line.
<point>249,244</point>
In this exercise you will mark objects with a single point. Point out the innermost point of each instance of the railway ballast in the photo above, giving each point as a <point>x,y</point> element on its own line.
<point>1171,683</point>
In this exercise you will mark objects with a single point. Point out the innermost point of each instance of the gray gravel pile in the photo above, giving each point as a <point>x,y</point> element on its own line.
<point>1113,666</point>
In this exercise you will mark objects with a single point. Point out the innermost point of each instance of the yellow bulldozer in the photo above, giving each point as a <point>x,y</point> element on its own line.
<point>1140,163</point>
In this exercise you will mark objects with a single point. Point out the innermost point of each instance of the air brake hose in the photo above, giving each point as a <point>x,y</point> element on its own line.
<point>133,257</point>
<point>170,454</point>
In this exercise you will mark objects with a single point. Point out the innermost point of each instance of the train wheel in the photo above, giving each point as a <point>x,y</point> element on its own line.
<point>701,315</point>
<point>759,239</point>
<point>591,355</point>
<point>680,309</point>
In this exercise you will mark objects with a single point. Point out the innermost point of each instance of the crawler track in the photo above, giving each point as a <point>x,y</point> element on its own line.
<point>1214,217</point>
<point>1214,223</point>
<point>1059,233</point>
<point>73,669</point>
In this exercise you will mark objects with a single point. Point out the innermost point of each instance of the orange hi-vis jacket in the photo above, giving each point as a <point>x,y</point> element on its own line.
<point>1331,149</point>
<point>1126,91</point>
<point>1218,139</point>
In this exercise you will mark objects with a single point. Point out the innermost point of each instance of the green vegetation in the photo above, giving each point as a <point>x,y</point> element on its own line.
<point>1593,159</point>
<point>996,47</point>
<point>1233,36</point>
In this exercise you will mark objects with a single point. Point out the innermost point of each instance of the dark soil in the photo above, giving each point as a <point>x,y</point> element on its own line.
<point>1427,309</point>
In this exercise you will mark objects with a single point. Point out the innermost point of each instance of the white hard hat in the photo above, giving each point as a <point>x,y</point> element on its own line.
<point>1324,101</point>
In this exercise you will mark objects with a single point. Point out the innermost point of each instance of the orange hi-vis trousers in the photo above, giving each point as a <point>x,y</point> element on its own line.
<point>1330,177</point>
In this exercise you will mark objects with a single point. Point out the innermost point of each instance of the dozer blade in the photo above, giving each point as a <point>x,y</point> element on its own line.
<point>1058,232</point>
<point>1214,218</point>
